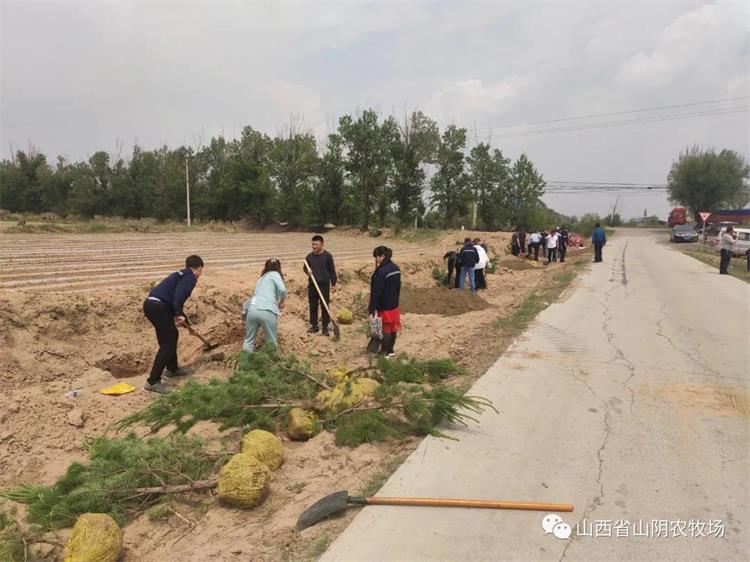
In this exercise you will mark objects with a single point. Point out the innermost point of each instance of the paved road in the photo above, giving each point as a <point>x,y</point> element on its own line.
<point>629,400</point>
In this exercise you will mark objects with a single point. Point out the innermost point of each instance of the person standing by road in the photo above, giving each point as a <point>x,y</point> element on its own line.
<point>481,266</point>
<point>324,272</point>
<point>552,246</point>
<point>521,241</point>
<point>599,240</point>
<point>535,239</point>
<point>263,309</point>
<point>562,243</point>
<point>385,291</point>
<point>164,309</point>
<point>726,245</point>
<point>469,258</point>
<point>515,245</point>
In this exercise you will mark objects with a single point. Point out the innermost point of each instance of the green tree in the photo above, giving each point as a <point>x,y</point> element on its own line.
<point>329,189</point>
<point>703,180</point>
<point>368,157</point>
<point>526,189</point>
<point>450,196</point>
<point>293,160</point>
<point>488,181</point>
<point>415,146</point>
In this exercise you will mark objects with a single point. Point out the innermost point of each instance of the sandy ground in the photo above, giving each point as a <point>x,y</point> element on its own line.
<point>71,318</point>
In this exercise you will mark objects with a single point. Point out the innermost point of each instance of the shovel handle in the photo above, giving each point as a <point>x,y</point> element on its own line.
<point>486,504</point>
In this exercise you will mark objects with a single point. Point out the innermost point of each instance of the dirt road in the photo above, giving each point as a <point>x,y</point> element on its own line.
<point>629,400</point>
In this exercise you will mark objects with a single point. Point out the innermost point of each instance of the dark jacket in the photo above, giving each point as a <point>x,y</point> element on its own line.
<point>468,256</point>
<point>599,236</point>
<point>175,290</point>
<point>323,267</point>
<point>385,287</point>
<point>562,238</point>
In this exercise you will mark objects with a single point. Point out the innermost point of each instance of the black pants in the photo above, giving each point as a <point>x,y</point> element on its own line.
<point>160,315</point>
<point>515,250</point>
<point>456,274</point>
<point>480,279</point>
<point>726,257</point>
<point>598,251</point>
<point>312,296</point>
<point>563,249</point>
<point>551,254</point>
<point>534,246</point>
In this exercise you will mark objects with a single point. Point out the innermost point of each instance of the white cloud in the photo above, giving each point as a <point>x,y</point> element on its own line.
<point>465,100</point>
<point>700,43</point>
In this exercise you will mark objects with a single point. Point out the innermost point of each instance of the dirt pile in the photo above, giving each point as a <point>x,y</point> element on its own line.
<point>439,300</point>
<point>516,264</point>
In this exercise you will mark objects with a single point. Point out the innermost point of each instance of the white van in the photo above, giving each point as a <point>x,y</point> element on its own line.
<point>742,243</point>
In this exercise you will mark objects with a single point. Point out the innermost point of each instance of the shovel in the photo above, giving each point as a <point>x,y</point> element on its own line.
<point>336,330</point>
<point>340,501</point>
<point>207,345</point>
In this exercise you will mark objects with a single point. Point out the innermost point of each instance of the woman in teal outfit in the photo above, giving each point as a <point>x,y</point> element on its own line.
<point>262,310</point>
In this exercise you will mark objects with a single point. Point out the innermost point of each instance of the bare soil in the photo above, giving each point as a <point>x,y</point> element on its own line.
<point>71,318</point>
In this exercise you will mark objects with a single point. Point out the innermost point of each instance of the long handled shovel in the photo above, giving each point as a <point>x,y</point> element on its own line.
<point>336,330</point>
<point>340,501</point>
<point>207,345</point>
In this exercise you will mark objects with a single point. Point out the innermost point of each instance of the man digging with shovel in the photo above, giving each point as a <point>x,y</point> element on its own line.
<point>163,308</point>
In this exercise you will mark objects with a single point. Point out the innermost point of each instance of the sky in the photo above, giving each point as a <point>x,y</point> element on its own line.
<point>78,77</point>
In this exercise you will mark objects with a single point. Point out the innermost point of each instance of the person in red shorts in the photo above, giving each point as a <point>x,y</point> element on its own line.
<point>385,289</point>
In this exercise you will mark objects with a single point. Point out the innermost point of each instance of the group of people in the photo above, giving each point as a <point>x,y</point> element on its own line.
<point>553,244</point>
<point>472,260</point>
<point>164,306</point>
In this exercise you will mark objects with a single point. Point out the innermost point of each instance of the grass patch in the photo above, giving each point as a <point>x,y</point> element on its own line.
<point>534,303</point>
<point>111,480</point>
<point>379,479</point>
<point>709,256</point>
<point>320,546</point>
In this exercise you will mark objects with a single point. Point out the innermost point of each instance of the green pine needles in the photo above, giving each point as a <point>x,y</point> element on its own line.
<point>265,385</point>
<point>113,480</point>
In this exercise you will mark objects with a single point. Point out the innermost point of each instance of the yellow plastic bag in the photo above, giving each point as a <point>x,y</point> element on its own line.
<point>118,389</point>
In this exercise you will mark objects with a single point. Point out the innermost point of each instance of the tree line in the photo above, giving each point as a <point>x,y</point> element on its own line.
<point>370,171</point>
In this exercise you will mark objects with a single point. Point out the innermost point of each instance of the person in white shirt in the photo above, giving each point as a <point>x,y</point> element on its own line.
<point>552,246</point>
<point>726,244</point>
<point>481,266</point>
<point>534,241</point>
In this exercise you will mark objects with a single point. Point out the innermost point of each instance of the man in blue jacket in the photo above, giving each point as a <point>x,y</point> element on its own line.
<point>598,239</point>
<point>164,309</point>
<point>469,257</point>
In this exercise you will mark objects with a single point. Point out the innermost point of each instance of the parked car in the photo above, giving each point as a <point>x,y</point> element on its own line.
<point>683,233</point>
<point>742,245</point>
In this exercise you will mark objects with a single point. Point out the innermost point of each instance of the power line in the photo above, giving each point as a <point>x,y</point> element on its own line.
<point>606,124</point>
<point>609,114</point>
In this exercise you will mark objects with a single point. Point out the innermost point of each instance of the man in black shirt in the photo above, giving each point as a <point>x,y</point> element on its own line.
<point>324,271</point>
<point>163,308</point>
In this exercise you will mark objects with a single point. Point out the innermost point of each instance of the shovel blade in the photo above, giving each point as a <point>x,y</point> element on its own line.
<point>323,508</point>
<point>210,346</point>
<point>336,332</point>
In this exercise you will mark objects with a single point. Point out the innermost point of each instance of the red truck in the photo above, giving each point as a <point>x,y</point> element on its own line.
<point>678,215</point>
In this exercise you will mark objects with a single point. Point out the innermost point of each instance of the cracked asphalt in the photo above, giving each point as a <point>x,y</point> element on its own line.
<point>629,399</point>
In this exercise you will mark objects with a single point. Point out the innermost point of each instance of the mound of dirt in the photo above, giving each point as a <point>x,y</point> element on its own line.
<point>515,264</point>
<point>439,300</point>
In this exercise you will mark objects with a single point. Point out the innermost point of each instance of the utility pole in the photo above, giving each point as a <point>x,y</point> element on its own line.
<point>187,188</point>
